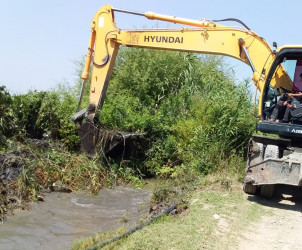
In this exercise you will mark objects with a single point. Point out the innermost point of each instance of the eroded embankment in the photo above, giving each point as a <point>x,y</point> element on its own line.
<point>11,193</point>
<point>28,169</point>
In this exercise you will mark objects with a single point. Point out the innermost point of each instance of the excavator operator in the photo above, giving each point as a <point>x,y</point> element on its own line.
<point>285,104</point>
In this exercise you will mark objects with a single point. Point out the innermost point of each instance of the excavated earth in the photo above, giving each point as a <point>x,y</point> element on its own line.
<point>11,165</point>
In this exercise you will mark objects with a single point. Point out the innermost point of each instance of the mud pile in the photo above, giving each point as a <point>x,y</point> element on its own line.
<point>11,165</point>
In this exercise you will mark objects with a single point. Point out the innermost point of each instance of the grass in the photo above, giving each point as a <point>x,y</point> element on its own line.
<point>217,213</point>
<point>88,242</point>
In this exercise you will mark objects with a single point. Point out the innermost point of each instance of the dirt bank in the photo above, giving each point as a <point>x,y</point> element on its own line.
<point>28,169</point>
<point>11,194</point>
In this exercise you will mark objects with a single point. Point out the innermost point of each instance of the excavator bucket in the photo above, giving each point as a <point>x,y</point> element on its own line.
<point>114,144</point>
<point>88,133</point>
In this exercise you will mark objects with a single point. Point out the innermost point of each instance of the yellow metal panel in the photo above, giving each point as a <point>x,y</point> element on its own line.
<point>217,41</point>
<point>102,52</point>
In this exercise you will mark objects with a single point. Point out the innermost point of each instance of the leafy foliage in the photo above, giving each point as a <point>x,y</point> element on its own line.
<point>44,114</point>
<point>7,117</point>
<point>194,114</point>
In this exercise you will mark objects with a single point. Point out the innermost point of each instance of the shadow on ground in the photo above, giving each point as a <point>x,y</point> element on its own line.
<point>285,197</point>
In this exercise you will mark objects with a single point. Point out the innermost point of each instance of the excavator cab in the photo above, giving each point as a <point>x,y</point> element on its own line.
<point>277,160</point>
<point>277,86</point>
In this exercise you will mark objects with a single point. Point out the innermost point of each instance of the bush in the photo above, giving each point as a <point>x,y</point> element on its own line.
<point>194,114</point>
<point>46,114</point>
<point>8,119</point>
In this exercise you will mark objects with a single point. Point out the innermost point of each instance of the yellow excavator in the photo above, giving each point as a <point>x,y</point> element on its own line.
<point>276,72</point>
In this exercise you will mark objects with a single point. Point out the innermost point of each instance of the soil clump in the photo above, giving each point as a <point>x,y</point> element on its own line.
<point>11,195</point>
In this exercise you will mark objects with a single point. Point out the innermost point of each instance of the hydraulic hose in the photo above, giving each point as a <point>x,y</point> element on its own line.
<point>132,230</point>
<point>234,20</point>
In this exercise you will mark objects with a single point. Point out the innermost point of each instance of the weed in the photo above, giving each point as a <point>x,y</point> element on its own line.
<point>124,219</point>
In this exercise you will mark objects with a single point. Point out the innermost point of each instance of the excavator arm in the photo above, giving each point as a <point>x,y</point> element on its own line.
<point>202,36</point>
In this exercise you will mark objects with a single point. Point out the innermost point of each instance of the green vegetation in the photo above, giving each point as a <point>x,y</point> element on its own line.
<point>196,120</point>
<point>7,118</point>
<point>195,116</point>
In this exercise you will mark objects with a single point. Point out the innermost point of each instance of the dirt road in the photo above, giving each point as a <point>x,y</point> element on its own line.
<point>282,229</point>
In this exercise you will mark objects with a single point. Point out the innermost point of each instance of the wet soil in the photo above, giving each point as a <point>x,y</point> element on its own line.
<point>11,165</point>
<point>65,217</point>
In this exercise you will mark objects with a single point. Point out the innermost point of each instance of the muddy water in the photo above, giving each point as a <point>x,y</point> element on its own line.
<point>65,217</point>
